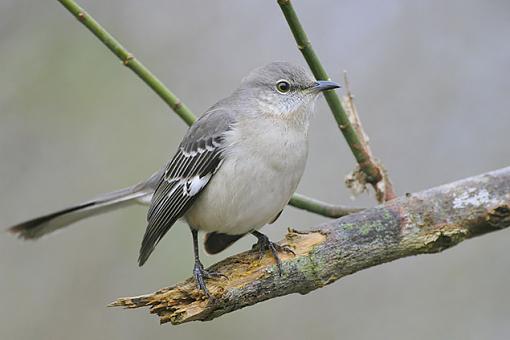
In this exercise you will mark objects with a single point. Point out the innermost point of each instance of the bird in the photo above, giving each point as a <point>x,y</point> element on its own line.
<point>234,171</point>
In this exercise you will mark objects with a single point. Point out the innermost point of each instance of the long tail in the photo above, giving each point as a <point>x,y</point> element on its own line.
<point>37,227</point>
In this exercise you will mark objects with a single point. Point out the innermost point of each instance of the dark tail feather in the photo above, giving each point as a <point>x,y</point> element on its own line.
<point>32,229</point>
<point>216,242</point>
<point>46,224</point>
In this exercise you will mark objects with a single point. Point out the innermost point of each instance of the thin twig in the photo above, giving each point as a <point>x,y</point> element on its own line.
<point>373,172</point>
<point>171,99</point>
<point>322,208</point>
<point>426,222</point>
<point>356,180</point>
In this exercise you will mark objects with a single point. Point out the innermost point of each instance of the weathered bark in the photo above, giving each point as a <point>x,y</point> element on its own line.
<point>425,222</point>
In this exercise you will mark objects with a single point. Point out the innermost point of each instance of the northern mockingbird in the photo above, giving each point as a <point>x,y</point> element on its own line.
<point>234,171</point>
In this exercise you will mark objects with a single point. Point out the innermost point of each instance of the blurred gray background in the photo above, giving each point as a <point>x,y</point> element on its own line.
<point>432,85</point>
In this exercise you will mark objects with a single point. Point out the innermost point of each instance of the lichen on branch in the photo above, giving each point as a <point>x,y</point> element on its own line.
<point>420,223</point>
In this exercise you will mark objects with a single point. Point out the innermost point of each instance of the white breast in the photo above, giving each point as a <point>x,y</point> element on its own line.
<point>260,172</point>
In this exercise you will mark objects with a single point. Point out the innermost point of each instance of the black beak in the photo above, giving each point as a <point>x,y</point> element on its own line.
<point>323,85</point>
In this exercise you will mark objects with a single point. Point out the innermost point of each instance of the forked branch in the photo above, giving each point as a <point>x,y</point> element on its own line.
<point>371,170</point>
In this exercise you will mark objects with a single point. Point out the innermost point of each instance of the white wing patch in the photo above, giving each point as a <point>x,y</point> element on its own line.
<point>190,186</point>
<point>195,184</point>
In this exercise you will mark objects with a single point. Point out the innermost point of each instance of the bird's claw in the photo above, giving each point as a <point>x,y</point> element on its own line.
<point>263,244</point>
<point>199,274</point>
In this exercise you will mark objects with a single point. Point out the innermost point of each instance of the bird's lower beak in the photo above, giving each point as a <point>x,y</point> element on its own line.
<point>323,85</point>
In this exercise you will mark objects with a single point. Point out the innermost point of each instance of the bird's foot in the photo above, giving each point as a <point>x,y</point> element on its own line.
<point>200,274</point>
<point>263,244</point>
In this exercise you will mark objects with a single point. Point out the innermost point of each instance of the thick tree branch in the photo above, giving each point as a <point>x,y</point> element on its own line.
<point>299,201</point>
<point>355,137</point>
<point>425,222</point>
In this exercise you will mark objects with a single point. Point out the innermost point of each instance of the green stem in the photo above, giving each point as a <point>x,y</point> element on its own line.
<point>130,61</point>
<point>299,201</point>
<point>321,208</point>
<point>359,150</point>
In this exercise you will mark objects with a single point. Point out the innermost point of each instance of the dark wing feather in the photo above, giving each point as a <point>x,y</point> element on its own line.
<point>198,158</point>
<point>216,242</point>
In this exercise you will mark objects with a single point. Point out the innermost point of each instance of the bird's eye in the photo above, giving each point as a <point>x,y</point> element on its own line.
<point>283,86</point>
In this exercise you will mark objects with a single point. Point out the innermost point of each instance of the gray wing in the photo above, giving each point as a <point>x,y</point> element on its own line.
<point>199,156</point>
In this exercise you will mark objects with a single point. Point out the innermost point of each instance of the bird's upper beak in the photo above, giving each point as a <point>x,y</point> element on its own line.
<point>323,85</point>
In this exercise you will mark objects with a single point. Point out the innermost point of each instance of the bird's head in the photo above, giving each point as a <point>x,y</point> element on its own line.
<point>284,90</point>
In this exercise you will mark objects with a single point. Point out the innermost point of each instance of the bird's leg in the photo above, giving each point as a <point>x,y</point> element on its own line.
<point>264,244</point>
<point>199,273</point>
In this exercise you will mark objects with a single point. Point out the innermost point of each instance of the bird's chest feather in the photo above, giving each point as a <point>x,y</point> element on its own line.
<point>272,156</point>
<point>273,145</point>
<point>261,170</point>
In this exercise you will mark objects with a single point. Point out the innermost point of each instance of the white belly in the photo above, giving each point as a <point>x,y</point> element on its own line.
<point>254,183</point>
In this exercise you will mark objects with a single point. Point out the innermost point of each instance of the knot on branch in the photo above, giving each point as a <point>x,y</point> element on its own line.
<point>444,239</point>
<point>127,59</point>
<point>499,217</point>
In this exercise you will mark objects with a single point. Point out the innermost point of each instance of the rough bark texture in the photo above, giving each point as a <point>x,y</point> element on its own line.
<point>425,222</point>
